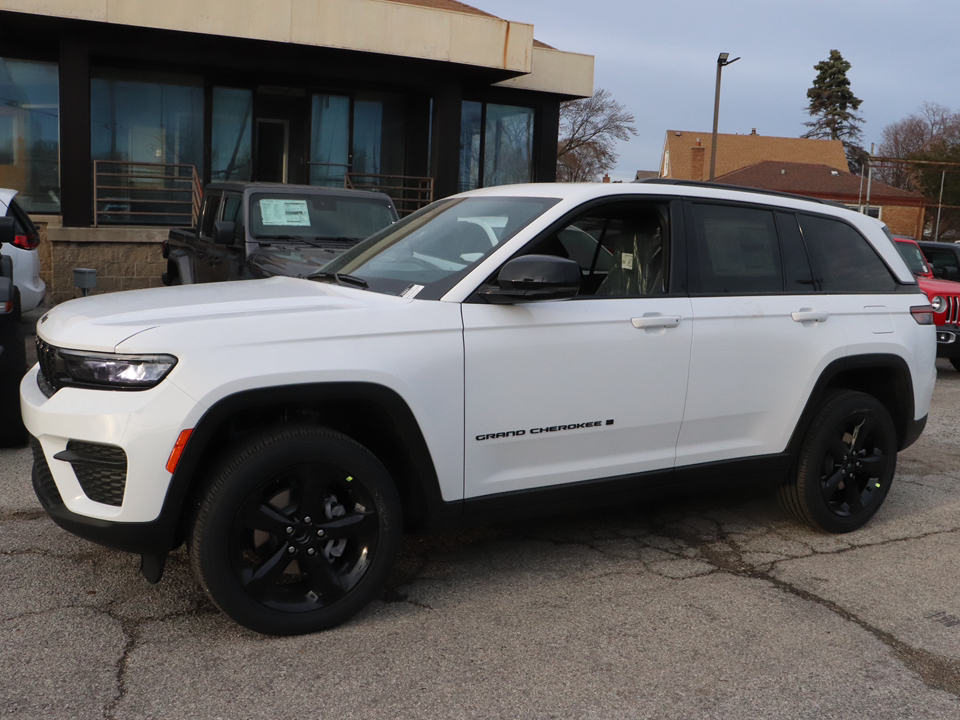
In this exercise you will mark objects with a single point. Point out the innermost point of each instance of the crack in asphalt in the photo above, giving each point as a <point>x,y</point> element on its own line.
<point>935,671</point>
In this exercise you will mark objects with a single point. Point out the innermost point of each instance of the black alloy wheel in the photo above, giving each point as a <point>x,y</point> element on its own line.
<point>846,466</point>
<point>297,532</point>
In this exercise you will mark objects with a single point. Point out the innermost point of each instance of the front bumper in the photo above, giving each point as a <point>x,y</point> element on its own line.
<point>121,508</point>
<point>948,341</point>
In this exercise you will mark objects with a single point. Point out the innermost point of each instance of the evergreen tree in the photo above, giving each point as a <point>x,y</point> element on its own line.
<point>833,108</point>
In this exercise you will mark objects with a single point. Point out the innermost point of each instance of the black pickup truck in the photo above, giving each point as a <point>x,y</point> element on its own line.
<point>255,230</point>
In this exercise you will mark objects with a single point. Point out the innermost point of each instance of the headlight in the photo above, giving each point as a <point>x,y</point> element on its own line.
<point>108,370</point>
<point>938,304</point>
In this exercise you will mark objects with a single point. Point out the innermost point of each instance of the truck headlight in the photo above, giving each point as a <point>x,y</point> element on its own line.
<point>938,304</point>
<point>109,370</point>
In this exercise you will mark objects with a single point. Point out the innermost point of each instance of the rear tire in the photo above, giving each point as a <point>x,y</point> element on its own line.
<point>846,464</point>
<point>297,531</point>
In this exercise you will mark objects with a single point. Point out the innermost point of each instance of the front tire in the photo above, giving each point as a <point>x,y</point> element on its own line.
<point>846,464</point>
<point>298,530</point>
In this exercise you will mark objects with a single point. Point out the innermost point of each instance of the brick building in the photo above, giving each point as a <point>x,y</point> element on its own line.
<point>817,168</point>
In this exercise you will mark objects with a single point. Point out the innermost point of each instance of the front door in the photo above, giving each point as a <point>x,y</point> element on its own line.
<point>594,387</point>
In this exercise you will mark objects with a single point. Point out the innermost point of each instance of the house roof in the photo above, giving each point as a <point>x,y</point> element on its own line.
<point>686,155</point>
<point>818,180</point>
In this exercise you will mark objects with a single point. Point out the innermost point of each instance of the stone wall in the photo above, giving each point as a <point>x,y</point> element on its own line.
<point>124,258</point>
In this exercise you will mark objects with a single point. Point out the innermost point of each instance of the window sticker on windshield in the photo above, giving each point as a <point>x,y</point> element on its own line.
<point>276,212</point>
<point>412,291</point>
<point>626,261</point>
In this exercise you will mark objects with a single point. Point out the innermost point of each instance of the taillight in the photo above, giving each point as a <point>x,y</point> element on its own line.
<point>26,242</point>
<point>923,314</point>
<point>165,250</point>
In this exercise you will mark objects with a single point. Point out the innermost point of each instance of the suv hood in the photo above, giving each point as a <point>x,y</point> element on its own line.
<point>934,286</point>
<point>101,323</point>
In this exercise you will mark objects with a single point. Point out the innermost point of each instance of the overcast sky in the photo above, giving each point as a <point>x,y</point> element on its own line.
<point>659,59</point>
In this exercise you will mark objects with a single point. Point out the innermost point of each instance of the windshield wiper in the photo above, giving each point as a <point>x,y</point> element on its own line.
<point>340,279</point>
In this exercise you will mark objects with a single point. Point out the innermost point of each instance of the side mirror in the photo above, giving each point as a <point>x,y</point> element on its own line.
<point>530,278</point>
<point>224,232</point>
<point>6,230</point>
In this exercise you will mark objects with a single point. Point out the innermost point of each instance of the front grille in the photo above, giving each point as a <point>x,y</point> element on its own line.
<point>101,470</point>
<point>47,378</point>
<point>43,484</point>
<point>953,309</point>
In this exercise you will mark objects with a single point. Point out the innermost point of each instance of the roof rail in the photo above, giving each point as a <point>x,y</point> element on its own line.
<point>741,188</point>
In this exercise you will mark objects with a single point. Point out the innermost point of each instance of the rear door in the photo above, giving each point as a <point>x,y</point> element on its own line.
<point>761,332</point>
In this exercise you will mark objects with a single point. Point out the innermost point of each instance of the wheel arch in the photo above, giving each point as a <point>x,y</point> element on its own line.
<point>373,415</point>
<point>883,376</point>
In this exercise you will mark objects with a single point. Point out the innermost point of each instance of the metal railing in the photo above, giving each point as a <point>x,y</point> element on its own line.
<point>140,193</point>
<point>409,193</point>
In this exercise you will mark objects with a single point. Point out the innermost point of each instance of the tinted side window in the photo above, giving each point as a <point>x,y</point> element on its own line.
<point>620,248</point>
<point>738,252</point>
<point>232,212</point>
<point>796,265</point>
<point>842,259</point>
<point>941,259</point>
<point>210,214</point>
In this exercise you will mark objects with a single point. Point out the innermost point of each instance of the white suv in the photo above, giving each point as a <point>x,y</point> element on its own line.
<point>289,429</point>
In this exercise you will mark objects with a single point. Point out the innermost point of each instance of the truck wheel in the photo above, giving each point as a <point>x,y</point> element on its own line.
<point>297,531</point>
<point>846,464</point>
<point>13,366</point>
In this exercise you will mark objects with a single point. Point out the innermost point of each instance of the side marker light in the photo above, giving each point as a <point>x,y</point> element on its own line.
<point>178,450</point>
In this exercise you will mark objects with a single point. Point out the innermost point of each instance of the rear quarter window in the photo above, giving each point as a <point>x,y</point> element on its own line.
<point>843,260</point>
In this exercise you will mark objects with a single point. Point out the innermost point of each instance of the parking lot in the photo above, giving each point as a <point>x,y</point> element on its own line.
<point>717,606</point>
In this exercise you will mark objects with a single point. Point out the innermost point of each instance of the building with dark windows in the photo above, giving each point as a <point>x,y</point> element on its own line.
<point>114,114</point>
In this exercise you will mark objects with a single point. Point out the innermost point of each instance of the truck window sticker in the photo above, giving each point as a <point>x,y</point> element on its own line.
<point>278,212</point>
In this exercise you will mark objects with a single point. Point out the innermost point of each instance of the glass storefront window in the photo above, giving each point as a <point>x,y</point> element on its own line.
<point>231,151</point>
<point>153,120</point>
<point>378,135</point>
<point>471,130</point>
<point>146,117</point>
<point>30,133</point>
<point>329,140</point>
<point>508,145</point>
<point>496,145</point>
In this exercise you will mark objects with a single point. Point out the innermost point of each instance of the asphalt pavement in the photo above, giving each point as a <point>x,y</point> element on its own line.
<point>717,606</point>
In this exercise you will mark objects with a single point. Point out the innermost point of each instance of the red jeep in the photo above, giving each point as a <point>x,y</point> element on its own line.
<point>944,296</point>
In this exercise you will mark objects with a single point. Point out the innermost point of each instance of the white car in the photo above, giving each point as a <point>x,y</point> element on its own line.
<point>437,373</point>
<point>22,251</point>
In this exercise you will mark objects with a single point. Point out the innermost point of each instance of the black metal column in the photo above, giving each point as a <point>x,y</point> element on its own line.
<point>445,145</point>
<point>76,168</point>
<point>545,143</point>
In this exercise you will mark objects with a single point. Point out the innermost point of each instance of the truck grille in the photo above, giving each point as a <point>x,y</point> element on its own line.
<point>953,309</point>
<point>101,470</point>
<point>47,378</point>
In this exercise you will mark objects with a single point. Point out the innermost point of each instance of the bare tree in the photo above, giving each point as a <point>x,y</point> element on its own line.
<point>589,129</point>
<point>932,130</point>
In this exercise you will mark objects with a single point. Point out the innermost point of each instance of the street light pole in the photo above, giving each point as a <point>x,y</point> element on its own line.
<point>721,61</point>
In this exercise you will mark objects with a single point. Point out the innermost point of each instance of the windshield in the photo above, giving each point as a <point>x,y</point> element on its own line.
<point>427,253</point>
<point>914,258</point>
<point>312,217</point>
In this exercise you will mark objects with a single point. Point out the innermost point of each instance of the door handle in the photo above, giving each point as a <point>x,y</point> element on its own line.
<point>807,315</point>
<point>656,321</point>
